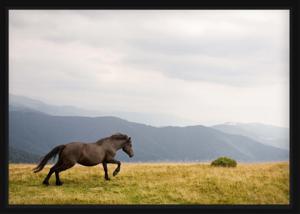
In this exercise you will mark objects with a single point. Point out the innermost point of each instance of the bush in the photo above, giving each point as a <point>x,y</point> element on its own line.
<point>224,162</point>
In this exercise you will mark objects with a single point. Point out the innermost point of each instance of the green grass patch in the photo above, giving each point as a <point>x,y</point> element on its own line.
<point>224,162</point>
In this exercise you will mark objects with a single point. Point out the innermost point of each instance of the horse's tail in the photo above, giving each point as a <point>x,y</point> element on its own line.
<point>46,158</point>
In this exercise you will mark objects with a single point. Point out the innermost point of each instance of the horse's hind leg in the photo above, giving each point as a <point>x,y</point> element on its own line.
<point>46,180</point>
<point>51,171</point>
<point>62,167</point>
<point>57,166</point>
<point>58,181</point>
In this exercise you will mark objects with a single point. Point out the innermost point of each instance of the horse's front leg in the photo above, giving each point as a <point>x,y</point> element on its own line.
<point>105,170</point>
<point>117,170</point>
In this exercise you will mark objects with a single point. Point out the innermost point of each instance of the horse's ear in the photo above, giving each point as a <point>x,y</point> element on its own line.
<point>129,139</point>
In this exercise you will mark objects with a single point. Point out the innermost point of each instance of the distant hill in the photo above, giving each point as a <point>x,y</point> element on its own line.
<point>22,103</point>
<point>37,133</point>
<point>267,134</point>
<point>21,156</point>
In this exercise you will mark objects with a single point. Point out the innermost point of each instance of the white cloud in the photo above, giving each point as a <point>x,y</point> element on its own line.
<point>203,66</point>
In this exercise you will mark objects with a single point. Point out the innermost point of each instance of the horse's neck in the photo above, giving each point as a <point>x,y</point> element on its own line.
<point>118,144</point>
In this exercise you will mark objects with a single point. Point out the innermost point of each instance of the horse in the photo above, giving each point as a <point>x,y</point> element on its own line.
<point>87,154</point>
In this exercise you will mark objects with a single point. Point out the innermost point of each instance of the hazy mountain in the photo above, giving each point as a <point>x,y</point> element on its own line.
<point>22,103</point>
<point>21,156</point>
<point>36,132</point>
<point>267,134</point>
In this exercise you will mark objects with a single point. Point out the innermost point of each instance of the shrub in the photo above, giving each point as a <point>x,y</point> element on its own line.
<point>224,162</point>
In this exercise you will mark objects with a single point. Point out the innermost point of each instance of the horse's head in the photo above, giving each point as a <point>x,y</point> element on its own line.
<point>127,148</point>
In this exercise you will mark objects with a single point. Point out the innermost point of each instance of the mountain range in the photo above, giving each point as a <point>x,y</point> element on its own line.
<point>34,132</point>
<point>267,134</point>
<point>23,103</point>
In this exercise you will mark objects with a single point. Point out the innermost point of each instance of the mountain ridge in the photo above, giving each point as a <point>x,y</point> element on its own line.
<point>38,133</point>
<point>266,134</point>
<point>23,102</point>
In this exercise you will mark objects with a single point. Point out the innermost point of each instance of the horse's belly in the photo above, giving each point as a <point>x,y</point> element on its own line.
<point>91,158</point>
<point>88,162</point>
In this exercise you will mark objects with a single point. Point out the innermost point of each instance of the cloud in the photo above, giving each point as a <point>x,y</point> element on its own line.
<point>186,63</point>
<point>208,46</point>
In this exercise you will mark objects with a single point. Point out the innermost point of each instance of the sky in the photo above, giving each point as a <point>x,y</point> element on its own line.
<point>166,67</point>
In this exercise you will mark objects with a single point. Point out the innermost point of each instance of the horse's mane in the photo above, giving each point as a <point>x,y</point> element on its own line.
<point>117,136</point>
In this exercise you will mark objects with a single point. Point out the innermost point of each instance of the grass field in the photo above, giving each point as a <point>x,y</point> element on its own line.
<point>155,183</point>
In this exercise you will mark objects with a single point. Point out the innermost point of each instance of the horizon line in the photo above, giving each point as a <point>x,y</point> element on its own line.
<point>133,121</point>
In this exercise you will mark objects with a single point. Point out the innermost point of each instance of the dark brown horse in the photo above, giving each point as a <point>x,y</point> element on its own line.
<point>87,154</point>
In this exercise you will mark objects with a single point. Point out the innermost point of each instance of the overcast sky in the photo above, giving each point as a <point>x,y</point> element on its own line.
<point>193,66</point>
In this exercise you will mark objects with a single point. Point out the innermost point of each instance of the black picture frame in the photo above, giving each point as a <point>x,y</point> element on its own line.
<point>292,5</point>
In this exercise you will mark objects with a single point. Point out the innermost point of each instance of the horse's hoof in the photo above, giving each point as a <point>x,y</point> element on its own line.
<point>59,183</point>
<point>46,183</point>
<point>108,179</point>
<point>115,173</point>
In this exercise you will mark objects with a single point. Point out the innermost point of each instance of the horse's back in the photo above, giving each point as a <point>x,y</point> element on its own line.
<point>87,154</point>
<point>72,151</point>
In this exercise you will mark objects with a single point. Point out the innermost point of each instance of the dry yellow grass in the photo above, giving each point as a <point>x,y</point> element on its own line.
<point>154,183</point>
